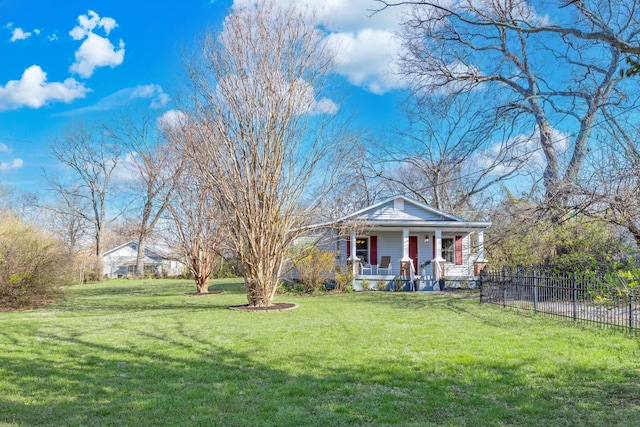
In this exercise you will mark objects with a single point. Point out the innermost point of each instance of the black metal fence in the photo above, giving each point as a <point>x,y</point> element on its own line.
<point>604,298</point>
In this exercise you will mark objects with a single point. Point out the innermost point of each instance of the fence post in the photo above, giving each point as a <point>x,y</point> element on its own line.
<point>504,288</point>
<point>535,290</point>
<point>575,296</point>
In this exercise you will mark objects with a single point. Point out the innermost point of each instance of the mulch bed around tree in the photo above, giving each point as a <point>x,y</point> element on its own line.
<point>278,306</point>
<point>202,294</point>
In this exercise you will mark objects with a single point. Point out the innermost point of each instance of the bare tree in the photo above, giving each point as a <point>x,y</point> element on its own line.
<point>453,151</point>
<point>611,190</point>
<point>124,229</point>
<point>84,185</point>
<point>262,136</point>
<point>156,170</point>
<point>361,184</point>
<point>199,225</point>
<point>66,224</point>
<point>553,74</point>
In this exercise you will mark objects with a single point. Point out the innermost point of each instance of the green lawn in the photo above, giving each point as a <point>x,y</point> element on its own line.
<point>138,353</point>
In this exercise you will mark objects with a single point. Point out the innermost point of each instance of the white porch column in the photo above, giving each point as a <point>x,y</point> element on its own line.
<point>438,255</point>
<point>481,262</point>
<point>405,254</point>
<point>481,257</point>
<point>438,262</point>
<point>405,245</point>
<point>352,257</point>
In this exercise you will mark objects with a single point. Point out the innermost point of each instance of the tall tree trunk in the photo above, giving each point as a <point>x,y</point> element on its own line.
<point>258,290</point>
<point>144,231</point>
<point>142,244</point>
<point>99,257</point>
<point>202,284</point>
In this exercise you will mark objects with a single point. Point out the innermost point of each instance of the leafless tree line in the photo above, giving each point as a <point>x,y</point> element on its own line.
<point>547,80</point>
<point>502,93</point>
<point>246,164</point>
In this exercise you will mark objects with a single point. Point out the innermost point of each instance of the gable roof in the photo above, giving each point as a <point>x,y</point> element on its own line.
<point>401,211</point>
<point>133,244</point>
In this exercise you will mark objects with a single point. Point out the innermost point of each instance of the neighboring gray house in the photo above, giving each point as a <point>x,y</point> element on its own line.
<point>120,262</point>
<point>421,243</point>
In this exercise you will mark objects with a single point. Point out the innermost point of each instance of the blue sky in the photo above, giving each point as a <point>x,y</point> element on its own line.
<point>64,61</point>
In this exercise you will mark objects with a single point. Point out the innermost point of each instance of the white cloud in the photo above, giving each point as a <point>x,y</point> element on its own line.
<point>19,34</point>
<point>342,15</point>
<point>33,90</point>
<point>362,40</point>
<point>95,51</point>
<point>357,15</point>
<point>324,106</point>
<point>87,23</point>
<point>12,165</point>
<point>172,119</point>
<point>124,97</point>
<point>303,94</point>
<point>298,95</point>
<point>126,170</point>
<point>519,10</point>
<point>159,99</point>
<point>366,59</point>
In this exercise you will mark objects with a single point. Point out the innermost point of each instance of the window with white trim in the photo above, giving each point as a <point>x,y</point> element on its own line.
<point>362,249</point>
<point>448,249</point>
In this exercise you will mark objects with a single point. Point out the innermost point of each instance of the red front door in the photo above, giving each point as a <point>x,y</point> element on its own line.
<point>413,251</point>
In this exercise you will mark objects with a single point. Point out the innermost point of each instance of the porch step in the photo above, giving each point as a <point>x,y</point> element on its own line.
<point>388,283</point>
<point>376,276</point>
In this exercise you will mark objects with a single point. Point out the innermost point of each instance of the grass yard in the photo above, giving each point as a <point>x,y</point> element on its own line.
<point>138,353</point>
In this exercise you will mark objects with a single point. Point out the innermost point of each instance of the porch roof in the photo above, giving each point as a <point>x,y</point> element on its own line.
<point>418,217</point>
<point>424,226</point>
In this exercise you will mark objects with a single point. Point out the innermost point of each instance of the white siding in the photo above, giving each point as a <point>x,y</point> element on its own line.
<point>400,213</point>
<point>117,260</point>
<point>390,244</point>
<point>411,212</point>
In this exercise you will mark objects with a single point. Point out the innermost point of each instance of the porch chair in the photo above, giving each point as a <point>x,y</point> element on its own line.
<point>384,264</point>
<point>365,266</point>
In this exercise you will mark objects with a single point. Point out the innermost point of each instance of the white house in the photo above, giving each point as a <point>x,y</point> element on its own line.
<point>422,243</point>
<point>121,261</point>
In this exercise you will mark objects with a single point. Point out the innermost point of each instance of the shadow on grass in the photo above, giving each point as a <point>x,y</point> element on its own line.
<point>465,306</point>
<point>178,377</point>
<point>149,287</point>
<point>145,295</point>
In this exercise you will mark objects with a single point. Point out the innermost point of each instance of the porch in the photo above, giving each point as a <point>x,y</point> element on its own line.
<point>396,283</point>
<point>402,244</point>
<point>374,282</point>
